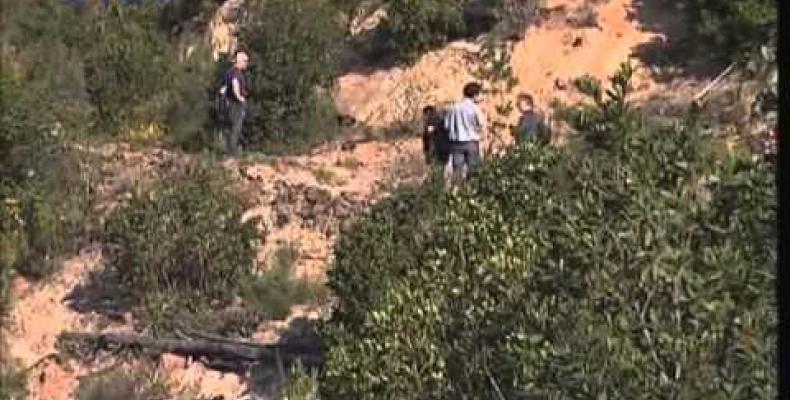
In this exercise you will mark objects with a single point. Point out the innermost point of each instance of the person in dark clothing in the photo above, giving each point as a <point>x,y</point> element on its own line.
<point>531,124</point>
<point>237,93</point>
<point>434,137</point>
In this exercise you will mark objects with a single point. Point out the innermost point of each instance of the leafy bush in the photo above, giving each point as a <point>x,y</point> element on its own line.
<point>12,381</point>
<point>113,69</point>
<point>43,185</point>
<point>415,26</point>
<point>730,28</point>
<point>301,385</point>
<point>272,293</point>
<point>186,260</point>
<point>294,48</point>
<point>182,247</point>
<point>634,269</point>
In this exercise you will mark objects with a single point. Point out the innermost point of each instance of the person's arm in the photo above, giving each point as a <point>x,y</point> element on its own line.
<point>237,90</point>
<point>482,122</point>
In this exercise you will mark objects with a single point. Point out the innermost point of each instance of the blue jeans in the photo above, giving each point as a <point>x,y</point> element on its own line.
<point>238,112</point>
<point>465,157</point>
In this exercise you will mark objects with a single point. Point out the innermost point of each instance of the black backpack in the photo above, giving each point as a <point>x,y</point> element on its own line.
<point>222,101</point>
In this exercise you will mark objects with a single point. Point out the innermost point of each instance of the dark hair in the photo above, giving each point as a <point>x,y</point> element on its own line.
<point>429,110</point>
<point>472,89</point>
<point>526,97</point>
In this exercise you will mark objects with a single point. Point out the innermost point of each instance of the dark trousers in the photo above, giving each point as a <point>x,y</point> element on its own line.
<point>237,112</point>
<point>465,157</point>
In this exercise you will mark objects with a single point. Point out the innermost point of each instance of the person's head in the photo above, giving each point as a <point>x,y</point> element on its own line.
<point>473,91</point>
<point>428,112</point>
<point>525,102</point>
<point>241,60</point>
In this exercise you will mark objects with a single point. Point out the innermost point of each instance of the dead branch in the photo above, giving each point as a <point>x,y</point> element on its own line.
<point>207,346</point>
<point>713,83</point>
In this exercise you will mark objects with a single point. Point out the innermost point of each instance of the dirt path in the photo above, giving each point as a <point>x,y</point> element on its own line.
<point>552,51</point>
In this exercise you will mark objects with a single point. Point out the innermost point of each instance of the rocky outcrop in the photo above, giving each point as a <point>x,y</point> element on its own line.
<point>223,28</point>
<point>313,207</point>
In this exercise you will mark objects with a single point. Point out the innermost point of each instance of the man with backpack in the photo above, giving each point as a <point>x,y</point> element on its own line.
<point>465,122</point>
<point>233,94</point>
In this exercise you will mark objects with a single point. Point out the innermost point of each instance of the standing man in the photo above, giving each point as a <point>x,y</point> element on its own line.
<point>465,122</point>
<point>236,83</point>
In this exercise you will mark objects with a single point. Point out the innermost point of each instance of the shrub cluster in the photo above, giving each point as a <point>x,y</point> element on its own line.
<point>187,261</point>
<point>294,48</point>
<point>636,268</point>
<point>110,66</point>
<point>731,28</point>
<point>415,26</point>
<point>181,247</point>
<point>43,188</point>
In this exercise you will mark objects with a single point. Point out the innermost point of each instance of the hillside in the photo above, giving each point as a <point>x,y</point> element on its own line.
<point>304,200</point>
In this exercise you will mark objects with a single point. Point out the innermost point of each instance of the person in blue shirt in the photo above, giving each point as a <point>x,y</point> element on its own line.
<point>531,123</point>
<point>465,123</point>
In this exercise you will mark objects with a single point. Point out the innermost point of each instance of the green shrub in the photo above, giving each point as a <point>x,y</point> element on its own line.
<point>634,269</point>
<point>415,26</point>
<point>12,381</point>
<point>111,70</point>
<point>301,385</point>
<point>128,66</point>
<point>181,247</point>
<point>272,292</point>
<point>730,28</point>
<point>294,49</point>
<point>43,185</point>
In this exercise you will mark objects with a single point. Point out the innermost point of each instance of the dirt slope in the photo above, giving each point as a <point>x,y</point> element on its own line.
<point>377,97</point>
<point>545,53</point>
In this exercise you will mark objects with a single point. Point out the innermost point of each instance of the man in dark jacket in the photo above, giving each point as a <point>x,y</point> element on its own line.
<point>434,137</point>
<point>237,93</point>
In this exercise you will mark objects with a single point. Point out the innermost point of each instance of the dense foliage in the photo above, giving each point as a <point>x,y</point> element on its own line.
<point>182,246</point>
<point>414,26</point>
<point>294,48</point>
<point>186,259</point>
<point>635,268</point>
<point>43,189</point>
<point>114,68</point>
<point>731,28</point>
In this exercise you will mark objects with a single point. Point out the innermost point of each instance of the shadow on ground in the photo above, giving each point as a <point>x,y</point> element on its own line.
<point>266,380</point>
<point>102,294</point>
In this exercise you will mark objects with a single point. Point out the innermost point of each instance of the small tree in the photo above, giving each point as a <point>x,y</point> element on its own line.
<point>181,249</point>
<point>731,28</point>
<point>415,26</point>
<point>294,50</point>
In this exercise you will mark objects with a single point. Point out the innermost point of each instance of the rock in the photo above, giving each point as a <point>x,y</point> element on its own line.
<point>560,85</point>
<point>577,42</point>
<point>342,209</point>
<point>317,195</point>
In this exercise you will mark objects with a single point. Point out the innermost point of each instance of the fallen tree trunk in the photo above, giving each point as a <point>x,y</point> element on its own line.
<point>224,349</point>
